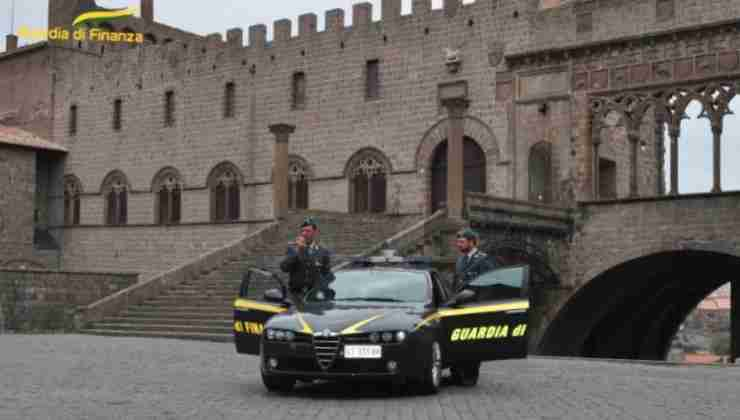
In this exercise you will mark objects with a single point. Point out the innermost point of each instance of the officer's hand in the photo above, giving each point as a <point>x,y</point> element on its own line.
<point>300,242</point>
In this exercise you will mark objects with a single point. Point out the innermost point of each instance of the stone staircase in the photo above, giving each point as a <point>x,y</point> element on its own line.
<point>200,307</point>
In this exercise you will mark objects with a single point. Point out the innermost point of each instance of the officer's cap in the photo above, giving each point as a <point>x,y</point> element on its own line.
<point>468,234</point>
<point>310,221</point>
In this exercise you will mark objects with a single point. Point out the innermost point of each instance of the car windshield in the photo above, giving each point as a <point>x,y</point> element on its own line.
<point>372,286</point>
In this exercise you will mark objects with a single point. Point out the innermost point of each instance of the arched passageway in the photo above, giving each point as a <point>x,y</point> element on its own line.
<point>633,310</point>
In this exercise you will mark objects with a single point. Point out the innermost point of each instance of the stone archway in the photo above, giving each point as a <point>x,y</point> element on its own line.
<point>475,171</point>
<point>474,129</point>
<point>634,309</point>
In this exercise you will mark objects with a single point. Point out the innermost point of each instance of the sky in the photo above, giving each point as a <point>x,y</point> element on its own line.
<point>695,151</point>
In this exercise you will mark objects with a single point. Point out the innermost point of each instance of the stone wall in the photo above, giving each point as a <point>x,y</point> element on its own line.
<point>25,83</point>
<point>17,186</point>
<point>336,122</point>
<point>31,299</point>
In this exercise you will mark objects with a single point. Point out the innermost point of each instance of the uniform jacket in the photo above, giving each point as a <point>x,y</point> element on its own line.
<point>306,268</point>
<point>467,271</point>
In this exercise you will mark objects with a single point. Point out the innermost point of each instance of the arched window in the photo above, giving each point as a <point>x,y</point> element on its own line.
<point>298,176</point>
<point>540,172</point>
<point>72,191</point>
<point>115,190</point>
<point>167,187</point>
<point>225,184</point>
<point>368,172</point>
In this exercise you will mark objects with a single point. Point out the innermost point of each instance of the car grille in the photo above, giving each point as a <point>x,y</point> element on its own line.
<point>325,349</point>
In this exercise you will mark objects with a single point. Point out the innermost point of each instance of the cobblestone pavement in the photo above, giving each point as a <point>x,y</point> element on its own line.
<point>85,377</point>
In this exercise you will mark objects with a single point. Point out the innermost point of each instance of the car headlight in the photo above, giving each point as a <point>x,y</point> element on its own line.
<point>400,336</point>
<point>280,335</point>
<point>387,337</point>
<point>374,337</point>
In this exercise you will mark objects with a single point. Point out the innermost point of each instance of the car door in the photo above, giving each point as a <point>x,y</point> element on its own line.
<point>252,309</point>
<point>494,325</point>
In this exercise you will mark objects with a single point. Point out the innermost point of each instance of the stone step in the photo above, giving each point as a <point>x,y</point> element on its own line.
<point>188,329</point>
<point>204,293</point>
<point>166,300</point>
<point>221,338</point>
<point>184,316</point>
<point>215,310</point>
<point>208,321</point>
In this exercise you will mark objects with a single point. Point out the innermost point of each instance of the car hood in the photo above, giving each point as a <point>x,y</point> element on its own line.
<point>348,319</point>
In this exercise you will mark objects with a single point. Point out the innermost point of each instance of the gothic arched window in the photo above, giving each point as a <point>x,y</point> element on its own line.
<point>298,176</point>
<point>368,171</point>
<point>224,184</point>
<point>115,190</point>
<point>72,191</point>
<point>167,187</point>
<point>540,172</point>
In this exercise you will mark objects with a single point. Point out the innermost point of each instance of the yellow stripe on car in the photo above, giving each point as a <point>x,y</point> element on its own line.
<point>245,305</point>
<point>444,313</point>
<point>306,328</point>
<point>354,328</point>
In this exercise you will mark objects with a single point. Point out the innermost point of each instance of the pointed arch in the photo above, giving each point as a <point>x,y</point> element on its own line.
<point>115,188</point>
<point>540,172</point>
<point>167,186</point>
<point>72,191</point>
<point>224,183</point>
<point>299,176</point>
<point>367,171</point>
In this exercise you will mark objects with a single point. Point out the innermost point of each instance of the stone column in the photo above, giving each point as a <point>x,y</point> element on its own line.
<point>11,42</point>
<point>280,182</point>
<point>717,133</point>
<point>634,139</point>
<point>675,132</point>
<point>595,142</point>
<point>456,108</point>
<point>660,152</point>
<point>147,10</point>
<point>735,321</point>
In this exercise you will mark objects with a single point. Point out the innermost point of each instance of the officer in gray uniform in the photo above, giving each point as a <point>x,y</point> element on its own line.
<point>307,262</point>
<point>472,262</point>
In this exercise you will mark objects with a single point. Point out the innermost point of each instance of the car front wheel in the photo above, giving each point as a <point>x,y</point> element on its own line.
<point>432,378</point>
<point>275,383</point>
<point>466,374</point>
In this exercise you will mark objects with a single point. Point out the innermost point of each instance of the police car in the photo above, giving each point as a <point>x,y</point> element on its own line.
<point>388,318</point>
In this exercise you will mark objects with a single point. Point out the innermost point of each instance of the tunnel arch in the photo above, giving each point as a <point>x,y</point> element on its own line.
<point>633,310</point>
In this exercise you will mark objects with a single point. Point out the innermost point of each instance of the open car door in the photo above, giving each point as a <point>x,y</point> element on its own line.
<point>260,298</point>
<point>492,325</point>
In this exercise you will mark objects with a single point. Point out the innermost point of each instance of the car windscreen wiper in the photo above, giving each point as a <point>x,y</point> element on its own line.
<point>371,299</point>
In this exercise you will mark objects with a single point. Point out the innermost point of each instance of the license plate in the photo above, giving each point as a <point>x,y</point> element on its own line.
<point>362,352</point>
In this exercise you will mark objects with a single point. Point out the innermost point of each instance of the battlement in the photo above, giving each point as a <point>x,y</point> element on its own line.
<point>362,19</point>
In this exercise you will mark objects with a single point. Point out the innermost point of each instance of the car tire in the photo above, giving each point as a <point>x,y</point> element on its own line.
<point>275,383</point>
<point>432,376</point>
<point>466,374</point>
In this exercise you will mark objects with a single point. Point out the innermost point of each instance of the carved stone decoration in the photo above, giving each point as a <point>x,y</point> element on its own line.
<point>663,71</point>
<point>580,81</point>
<point>665,10</point>
<point>728,61</point>
<point>495,53</point>
<point>453,61</point>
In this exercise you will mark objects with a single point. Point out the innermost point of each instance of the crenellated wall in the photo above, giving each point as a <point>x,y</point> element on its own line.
<point>336,121</point>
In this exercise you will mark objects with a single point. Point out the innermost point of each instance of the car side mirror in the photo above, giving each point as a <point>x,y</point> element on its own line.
<point>274,295</point>
<point>463,297</point>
